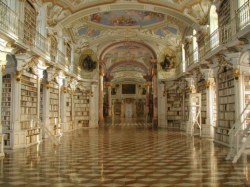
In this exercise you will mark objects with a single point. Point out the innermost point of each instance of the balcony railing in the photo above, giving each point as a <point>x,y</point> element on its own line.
<point>12,26</point>
<point>223,34</point>
<point>243,15</point>
<point>8,20</point>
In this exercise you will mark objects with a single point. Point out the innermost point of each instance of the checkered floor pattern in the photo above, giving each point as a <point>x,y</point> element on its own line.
<point>130,155</point>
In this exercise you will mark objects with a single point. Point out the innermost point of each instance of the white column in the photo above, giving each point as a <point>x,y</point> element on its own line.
<point>101,97</point>
<point>155,101</point>
<point>60,83</point>
<point>18,136</point>
<point>210,93</point>
<point>108,84</point>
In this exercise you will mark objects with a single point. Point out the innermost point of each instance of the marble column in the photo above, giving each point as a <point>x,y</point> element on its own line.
<point>207,129</point>
<point>155,101</point>
<point>147,97</point>
<point>101,74</point>
<point>108,85</point>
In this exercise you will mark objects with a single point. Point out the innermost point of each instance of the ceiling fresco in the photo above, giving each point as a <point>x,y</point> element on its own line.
<point>128,51</point>
<point>88,32</point>
<point>158,24</point>
<point>127,18</point>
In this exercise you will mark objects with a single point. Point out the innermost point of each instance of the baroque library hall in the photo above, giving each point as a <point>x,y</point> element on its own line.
<point>136,93</point>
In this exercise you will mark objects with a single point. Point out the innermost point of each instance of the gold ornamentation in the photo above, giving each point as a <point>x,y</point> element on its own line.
<point>18,75</point>
<point>236,74</point>
<point>48,85</point>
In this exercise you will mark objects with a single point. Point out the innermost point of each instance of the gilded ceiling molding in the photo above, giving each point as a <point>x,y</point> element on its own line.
<point>67,5</point>
<point>67,22</point>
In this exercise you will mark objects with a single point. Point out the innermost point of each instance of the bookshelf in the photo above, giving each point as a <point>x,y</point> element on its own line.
<point>174,108</point>
<point>32,135</point>
<point>54,108</point>
<point>201,88</point>
<point>185,103</point>
<point>6,108</point>
<point>68,108</point>
<point>41,102</point>
<point>226,105</point>
<point>28,100</point>
<point>81,105</point>
<point>247,95</point>
<point>29,23</point>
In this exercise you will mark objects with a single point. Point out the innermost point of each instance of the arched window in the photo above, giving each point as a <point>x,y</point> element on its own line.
<point>53,48</point>
<point>183,58</point>
<point>29,23</point>
<point>195,47</point>
<point>213,27</point>
<point>68,54</point>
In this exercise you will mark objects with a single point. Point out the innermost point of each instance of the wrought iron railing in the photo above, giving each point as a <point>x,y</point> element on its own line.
<point>12,26</point>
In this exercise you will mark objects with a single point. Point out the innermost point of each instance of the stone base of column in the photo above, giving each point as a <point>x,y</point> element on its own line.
<point>108,119</point>
<point>101,122</point>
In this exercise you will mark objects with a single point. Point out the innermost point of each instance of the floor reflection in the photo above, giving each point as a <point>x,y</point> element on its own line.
<point>127,153</point>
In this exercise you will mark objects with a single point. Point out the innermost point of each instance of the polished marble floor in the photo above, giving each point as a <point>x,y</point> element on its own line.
<point>131,154</point>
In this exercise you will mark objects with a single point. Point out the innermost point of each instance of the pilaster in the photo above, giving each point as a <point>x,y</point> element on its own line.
<point>207,130</point>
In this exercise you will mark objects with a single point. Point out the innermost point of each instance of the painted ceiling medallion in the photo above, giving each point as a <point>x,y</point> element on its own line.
<point>127,18</point>
<point>88,63</point>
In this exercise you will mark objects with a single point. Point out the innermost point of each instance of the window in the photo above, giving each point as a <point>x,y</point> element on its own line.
<point>29,23</point>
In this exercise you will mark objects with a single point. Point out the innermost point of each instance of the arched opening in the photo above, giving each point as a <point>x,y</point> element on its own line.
<point>213,27</point>
<point>195,47</point>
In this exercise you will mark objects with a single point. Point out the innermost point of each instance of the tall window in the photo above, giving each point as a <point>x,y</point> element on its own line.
<point>213,28</point>
<point>68,54</point>
<point>183,58</point>
<point>29,23</point>
<point>53,48</point>
<point>195,47</point>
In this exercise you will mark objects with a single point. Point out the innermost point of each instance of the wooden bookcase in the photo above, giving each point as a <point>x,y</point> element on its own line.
<point>68,108</point>
<point>6,108</point>
<point>226,105</point>
<point>174,109</point>
<point>41,102</point>
<point>28,100</point>
<point>185,105</point>
<point>247,96</point>
<point>81,105</point>
<point>54,107</point>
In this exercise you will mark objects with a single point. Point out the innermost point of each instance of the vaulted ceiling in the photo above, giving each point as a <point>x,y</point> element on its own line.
<point>127,35</point>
